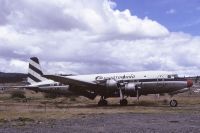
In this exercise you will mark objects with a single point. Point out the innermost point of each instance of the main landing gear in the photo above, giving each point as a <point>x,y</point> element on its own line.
<point>173,103</point>
<point>123,102</point>
<point>102,102</point>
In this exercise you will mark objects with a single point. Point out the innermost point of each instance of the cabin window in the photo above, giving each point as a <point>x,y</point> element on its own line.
<point>169,76</point>
<point>175,76</point>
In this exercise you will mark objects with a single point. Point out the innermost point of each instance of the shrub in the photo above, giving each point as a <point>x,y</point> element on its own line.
<point>51,95</point>
<point>18,94</point>
<point>73,99</point>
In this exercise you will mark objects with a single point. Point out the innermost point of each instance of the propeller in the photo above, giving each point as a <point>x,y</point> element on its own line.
<point>189,92</point>
<point>189,85</point>
<point>138,95</point>
<point>137,92</point>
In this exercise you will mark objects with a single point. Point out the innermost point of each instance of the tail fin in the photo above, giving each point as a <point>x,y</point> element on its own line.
<point>34,71</point>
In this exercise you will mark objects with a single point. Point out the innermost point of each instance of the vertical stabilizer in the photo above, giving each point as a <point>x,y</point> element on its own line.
<point>35,73</point>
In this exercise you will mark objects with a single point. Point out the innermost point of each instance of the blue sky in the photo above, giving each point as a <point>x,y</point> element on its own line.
<point>176,15</point>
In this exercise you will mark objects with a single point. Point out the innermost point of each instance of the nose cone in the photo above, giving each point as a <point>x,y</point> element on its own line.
<point>189,83</point>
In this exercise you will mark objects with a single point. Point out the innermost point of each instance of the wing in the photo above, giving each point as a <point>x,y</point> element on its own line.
<point>78,86</point>
<point>71,81</point>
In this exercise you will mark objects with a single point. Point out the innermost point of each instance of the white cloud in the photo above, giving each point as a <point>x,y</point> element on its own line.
<point>97,17</point>
<point>13,65</point>
<point>73,36</point>
<point>171,11</point>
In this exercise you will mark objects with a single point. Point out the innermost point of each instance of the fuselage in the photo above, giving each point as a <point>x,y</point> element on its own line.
<point>150,82</point>
<point>125,76</point>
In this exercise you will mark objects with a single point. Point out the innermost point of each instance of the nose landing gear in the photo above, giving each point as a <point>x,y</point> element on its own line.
<point>173,103</point>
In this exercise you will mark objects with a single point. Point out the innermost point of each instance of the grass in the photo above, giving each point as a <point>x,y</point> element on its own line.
<point>39,108</point>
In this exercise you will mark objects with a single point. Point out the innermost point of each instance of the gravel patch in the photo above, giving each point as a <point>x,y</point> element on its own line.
<point>112,123</point>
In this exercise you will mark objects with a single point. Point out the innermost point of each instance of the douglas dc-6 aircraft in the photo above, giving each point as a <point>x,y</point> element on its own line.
<point>123,85</point>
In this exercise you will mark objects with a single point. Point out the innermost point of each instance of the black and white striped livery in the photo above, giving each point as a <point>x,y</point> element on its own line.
<point>35,73</point>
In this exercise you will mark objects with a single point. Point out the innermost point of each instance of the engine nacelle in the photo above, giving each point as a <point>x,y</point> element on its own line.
<point>111,83</point>
<point>130,88</point>
<point>126,87</point>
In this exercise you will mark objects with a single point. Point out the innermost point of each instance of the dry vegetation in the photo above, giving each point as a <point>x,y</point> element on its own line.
<point>36,107</point>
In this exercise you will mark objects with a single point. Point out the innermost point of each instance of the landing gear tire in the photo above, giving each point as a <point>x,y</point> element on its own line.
<point>173,103</point>
<point>123,102</point>
<point>102,103</point>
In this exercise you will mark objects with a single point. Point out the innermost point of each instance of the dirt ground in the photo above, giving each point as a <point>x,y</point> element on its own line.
<point>150,114</point>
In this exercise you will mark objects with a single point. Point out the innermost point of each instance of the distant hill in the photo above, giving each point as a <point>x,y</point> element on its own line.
<point>12,77</point>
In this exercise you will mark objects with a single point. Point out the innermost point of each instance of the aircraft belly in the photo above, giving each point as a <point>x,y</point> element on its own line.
<point>174,86</point>
<point>148,87</point>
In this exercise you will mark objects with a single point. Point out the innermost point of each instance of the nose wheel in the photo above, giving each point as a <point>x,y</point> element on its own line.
<point>173,103</point>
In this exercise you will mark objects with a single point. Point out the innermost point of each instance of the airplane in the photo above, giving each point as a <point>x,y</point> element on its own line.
<point>126,84</point>
<point>197,91</point>
<point>123,85</point>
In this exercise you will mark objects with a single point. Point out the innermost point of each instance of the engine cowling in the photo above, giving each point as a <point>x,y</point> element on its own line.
<point>126,87</point>
<point>111,83</point>
<point>130,88</point>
